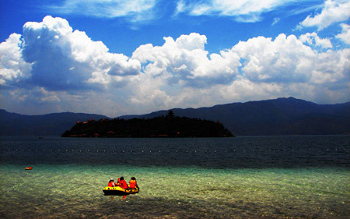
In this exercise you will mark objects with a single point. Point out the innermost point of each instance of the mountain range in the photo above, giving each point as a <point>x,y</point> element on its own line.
<point>282,116</point>
<point>54,124</point>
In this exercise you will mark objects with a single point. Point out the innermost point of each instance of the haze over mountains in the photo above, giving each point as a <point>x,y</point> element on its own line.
<point>282,116</point>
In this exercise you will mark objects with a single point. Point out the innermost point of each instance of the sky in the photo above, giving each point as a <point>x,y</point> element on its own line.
<point>123,57</point>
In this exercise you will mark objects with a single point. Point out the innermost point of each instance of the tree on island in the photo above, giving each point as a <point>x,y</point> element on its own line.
<point>171,114</point>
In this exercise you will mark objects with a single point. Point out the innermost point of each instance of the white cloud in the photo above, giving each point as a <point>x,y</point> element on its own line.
<point>242,11</point>
<point>185,61</point>
<point>63,59</point>
<point>345,35</point>
<point>331,68</point>
<point>132,10</point>
<point>284,60</point>
<point>313,39</point>
<point>288,60</point>
<point>12,67</point>
<point>333,11</point>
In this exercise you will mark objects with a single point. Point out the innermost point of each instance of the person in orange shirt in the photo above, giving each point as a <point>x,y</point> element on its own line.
<point>133,183</point>
<point>111,183</point>
<point>122,183</point>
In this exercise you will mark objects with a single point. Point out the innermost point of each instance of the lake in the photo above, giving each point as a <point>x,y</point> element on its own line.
<point>275,176</point>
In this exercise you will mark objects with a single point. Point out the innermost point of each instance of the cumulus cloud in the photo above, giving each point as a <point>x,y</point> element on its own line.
<point>13,68</point>
<point>131,10</point>
<point>283,60</point>
<point>288,60</point>
<point>345,34</point>
<point>242,11</point>
<point>333,11</point>
<point>62,59</point>
<point>185,61</point>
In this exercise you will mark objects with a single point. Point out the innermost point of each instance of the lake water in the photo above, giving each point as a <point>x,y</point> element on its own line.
<point>249,177</point>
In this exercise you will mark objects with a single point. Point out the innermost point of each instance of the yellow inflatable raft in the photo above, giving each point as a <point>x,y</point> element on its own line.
<point>119,191</point>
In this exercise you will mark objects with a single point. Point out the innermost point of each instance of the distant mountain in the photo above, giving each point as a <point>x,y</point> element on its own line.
<point>282,116</point>
<point>54,124</point>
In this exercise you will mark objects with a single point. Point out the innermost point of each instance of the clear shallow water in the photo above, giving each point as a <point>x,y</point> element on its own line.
<point>294,176</point>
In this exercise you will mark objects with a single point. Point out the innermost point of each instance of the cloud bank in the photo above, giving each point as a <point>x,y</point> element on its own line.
<point>63,69</point>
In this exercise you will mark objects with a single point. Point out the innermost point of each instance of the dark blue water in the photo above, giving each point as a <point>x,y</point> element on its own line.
<point>243,177</point>
<point>240,152</point>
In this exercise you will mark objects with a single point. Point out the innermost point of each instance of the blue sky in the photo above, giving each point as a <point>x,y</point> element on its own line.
<point>118,57</point>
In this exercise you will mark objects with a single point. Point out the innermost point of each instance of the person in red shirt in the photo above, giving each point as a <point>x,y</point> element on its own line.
<point>122,183</point>
<point>133,183</point>
<point>111,183</point>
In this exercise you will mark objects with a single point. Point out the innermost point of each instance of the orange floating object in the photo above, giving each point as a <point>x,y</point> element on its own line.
<point>28,168</point>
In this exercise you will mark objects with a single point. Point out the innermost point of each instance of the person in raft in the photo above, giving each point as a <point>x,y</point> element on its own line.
<point>111,183</point>
<point>133,183</point>
<point>122,183</point>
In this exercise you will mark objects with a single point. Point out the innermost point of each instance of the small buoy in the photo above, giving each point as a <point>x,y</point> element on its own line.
<point>28,168</point>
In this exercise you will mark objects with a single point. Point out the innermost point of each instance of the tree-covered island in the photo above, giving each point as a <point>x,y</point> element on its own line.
<point>164,126</point>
